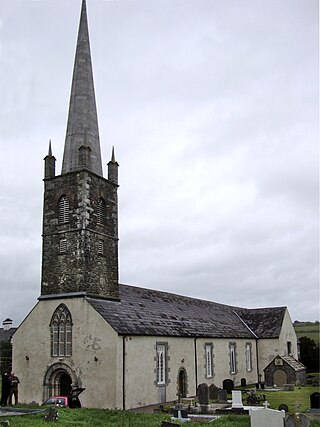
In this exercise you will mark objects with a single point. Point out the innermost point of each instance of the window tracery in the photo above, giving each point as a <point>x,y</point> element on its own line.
<point>61,332</point>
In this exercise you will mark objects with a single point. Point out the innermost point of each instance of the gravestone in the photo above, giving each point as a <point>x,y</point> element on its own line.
<point>213,391</point>
<point>180,413</point>
<point>297,420</point>
<point>236,400</point>
<point>283,407</point>
<point>222,395</point>
<point>203,394</point>
<point>228,385</point>
<point>266,417</point>
<point>243,382</point>
<point>315,400</point>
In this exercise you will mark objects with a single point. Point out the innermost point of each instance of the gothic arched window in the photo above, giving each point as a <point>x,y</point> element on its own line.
<point>61,332</point>
<point>63,209</point>
<point>101,212</point>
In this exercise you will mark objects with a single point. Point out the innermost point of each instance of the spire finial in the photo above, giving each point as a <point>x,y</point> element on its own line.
<point>50,150</point>
<point>113,158</point>
<point>82,127</point>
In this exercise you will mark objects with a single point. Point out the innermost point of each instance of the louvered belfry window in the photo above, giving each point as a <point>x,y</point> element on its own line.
<point>63,246</point>
<point>101,212</point>
<point>63,209</point>
<point>101,247</point>
<point>61,332</point>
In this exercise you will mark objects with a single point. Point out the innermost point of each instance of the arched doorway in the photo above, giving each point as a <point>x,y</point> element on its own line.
<point>59,380</point>
<point>279,377</point>
<point>182,382</point>
<point>65,384</point>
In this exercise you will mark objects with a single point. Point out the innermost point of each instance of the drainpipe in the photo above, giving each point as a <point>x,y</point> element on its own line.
<point>196,363</point>
<point>124,372</point>
<point>257,357</point>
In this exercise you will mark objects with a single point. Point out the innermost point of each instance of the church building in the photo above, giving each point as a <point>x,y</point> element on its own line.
<point>127,346</point>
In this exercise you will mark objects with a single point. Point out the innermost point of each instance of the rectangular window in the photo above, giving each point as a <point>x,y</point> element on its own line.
<point>209,370</point>
<point>249,356</point>
<point>233,360</point>
<point>161,363</point>
<point>289,347</point>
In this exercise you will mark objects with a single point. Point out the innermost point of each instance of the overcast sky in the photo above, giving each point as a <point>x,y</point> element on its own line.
<point>212,106</point>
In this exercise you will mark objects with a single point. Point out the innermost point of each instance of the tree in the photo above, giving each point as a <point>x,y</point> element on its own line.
<point>309,354</point>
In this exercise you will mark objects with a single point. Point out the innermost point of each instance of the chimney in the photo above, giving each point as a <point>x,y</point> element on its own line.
<point>7,323</point>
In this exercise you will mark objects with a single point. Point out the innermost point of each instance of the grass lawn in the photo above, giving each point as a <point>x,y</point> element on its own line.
<point>102,418</point>
<point>297,400</point>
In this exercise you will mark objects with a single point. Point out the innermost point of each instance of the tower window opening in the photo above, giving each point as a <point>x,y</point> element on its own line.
<point>101,211</point>
<point>63,209</point>
<point>63,246</point>
<point>101,247</point>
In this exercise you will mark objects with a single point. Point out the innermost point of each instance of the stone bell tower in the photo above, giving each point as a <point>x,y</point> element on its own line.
<point>80,208</point>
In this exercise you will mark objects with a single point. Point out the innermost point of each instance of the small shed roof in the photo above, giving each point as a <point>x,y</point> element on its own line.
<point>289,360</point>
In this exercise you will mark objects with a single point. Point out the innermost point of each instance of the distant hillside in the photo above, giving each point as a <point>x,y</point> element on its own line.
<point>308,329</point>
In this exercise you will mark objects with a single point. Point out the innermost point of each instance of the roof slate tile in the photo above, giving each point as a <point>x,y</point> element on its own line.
<point>150,312</point>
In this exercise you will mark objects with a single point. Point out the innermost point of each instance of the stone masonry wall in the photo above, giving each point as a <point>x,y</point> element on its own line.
<point>80,267</point>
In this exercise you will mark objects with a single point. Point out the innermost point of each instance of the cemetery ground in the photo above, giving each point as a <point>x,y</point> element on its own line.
<point>297,401</point>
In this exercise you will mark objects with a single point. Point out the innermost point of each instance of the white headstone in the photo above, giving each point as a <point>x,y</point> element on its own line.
<point>237,399</point>
<point>266,417</point>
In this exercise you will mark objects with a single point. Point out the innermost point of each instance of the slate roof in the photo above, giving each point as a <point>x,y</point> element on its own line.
<point>265,322</point>
<point>295,364</point>
<point>150,312</point>
<point>290,360</point>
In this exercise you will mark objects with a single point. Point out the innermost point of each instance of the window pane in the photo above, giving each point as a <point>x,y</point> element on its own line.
<point>61,332</point>
<point>161,364</point>
<point>232,358</point>
<point>209,361</point>
<point>248,357</point>
<point>54,340</point>
<point>68,340</point>
<point>61,339</point>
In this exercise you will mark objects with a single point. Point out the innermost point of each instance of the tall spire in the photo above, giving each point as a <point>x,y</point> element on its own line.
<point>82,127</point>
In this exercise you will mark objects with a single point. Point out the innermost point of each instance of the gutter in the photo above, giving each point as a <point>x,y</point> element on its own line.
<point>257,356</point>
